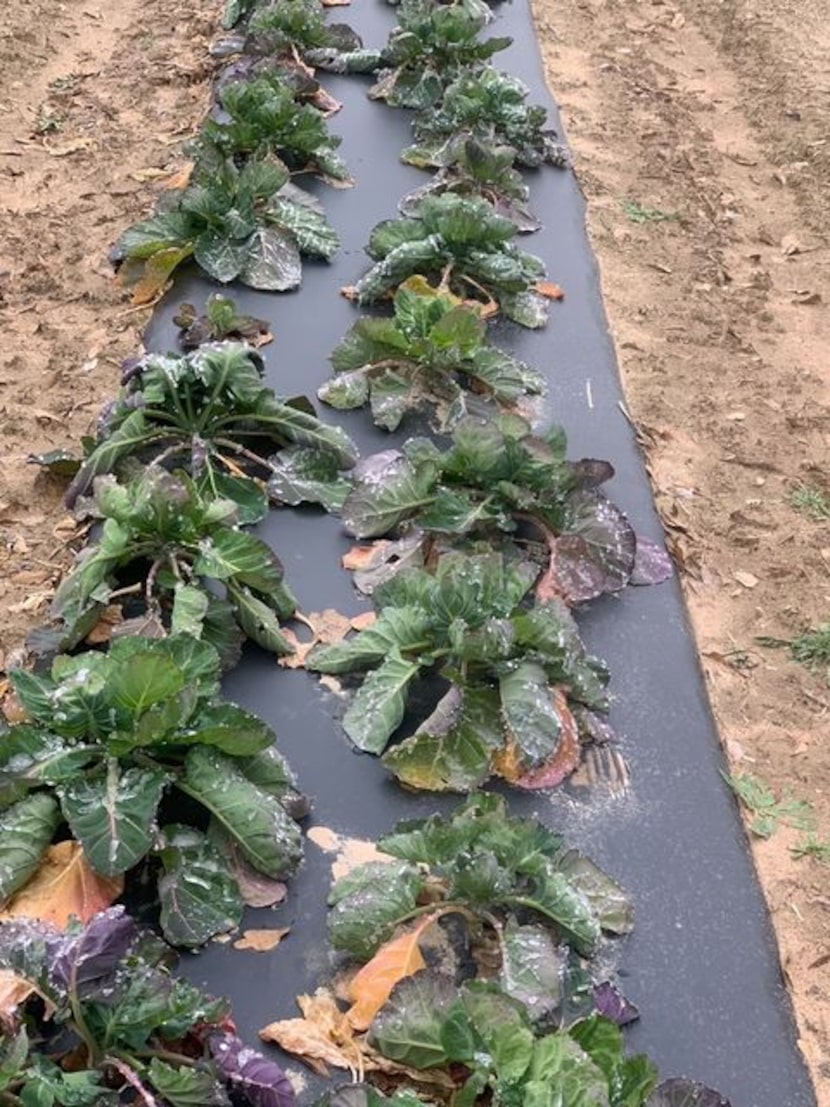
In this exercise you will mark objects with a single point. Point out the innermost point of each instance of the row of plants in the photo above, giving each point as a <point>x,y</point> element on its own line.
<point>482,548</point>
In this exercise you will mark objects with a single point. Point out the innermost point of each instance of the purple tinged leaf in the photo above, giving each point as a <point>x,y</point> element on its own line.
<point>595,552</point>
<point>261,1081</point>
<point>679,1092</point>
<point>652,563</point>
<point>89,959</point>
<point>612,1004</point>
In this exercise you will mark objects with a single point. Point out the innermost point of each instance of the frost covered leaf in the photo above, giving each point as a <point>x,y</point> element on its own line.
<point>388,489</point>
<point>595,550</point>
<point>612,906</point>
<point>26,831</point>
<point>678,1092</point>
<point>259,1079</point>
<point>452,750</point>
<point>64,886</point>
<point>304,475</point>
<point>530,715</point>
<point>532,969</point>
<point>612,1004</point>
<point>267,836</point>
<point>652,563</point>
<point>562,762</point>
<point>378,707</point>
<point>409,1028</point>
<point>113,815</point>
<point>272,261</point>
<point>372,565</point>
<point>369,902</point>
<point>199,896</point>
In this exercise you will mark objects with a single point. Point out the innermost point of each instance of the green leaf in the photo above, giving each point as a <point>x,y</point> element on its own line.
<point>241,557</point>
<point>345,391</point>
<point>378,707</point>
<point>314,236</point>
<point>259,621</point>
<point>113,816</point>
<point>147,680</point>
<point>557,899</point>
<point>199,661</point>
<point>451,750</point>
<point>503,1027</point>
<point>247,494</point>
<point>190,605</point>
<point>397,628</point>
<point>529,713</point>
<point>532,969</point>
<point>219,255</point>
<point>368,903</point>
<point>230,729</point>
<point>125,439</point>
<point>613,907</point>
<point>26,832</point>
<point>268,837</point>
<point>560,1073</point>
<point>13,1054</point>
<point>30,756</point>
<point>388,490</point>
<point>269,770</point>
<point>528,309</point>
<point>408,1028</point>
<point>199,897</point>
<point>186,1086</point>
<point>271,261</point>
<point>304,475</point>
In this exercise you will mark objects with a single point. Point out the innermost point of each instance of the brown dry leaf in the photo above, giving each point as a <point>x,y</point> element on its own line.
<point>261,941</point>
<point>372,985</point>
<point>550,290</point>
<point>111,616</point>
<point>321,1037</point>
<point>13,992</point>
<point>70,148</point>
<point>181,178</point>
<point>64,886</point>
<point>350,852</point>
<point>324,1037</point>
<point>13,709</point>
<point>32,602</point>
<point>363,557</point>
<point>326,627</point>
<point>336,3</point>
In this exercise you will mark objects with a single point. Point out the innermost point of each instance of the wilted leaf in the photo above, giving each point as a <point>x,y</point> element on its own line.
<point>372,985</point>
<point>64,886</point>
<point>372,565</point>
<point>323,1036</point>
<point>158,270</point>
<point>679,1092</point>
<point>326,627</point>
<point>261,941</point>
<point>562,762</point>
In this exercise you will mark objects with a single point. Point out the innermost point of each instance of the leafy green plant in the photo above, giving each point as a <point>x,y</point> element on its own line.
<point>812,846</point>
<point>812,648</point>
<point>249,224</point>
<point>432,44</point>
<point>472,168</point>
<point>496,479</point>
<point>769,813</point>
<point>264,118</point>
<point>210,412</point>
<point>465,244</point>
<point>433,352</point>
<point>221,321</point>
<point>514,883</point>
<point>492,107</point>
<point>197,572</point>
<point>642,213</point>
<point>812,502</point>
<point>516,676</point>
<point>298,30</point>
<point>120,1028</point>
<point>107,738</point>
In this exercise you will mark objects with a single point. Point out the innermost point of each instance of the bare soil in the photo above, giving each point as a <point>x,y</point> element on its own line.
<point>95,102</point>
<point>711,118</point>
<point>701,134</point>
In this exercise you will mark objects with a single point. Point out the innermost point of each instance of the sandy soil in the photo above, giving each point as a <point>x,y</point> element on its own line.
<point>95,99</point>
<point>712,114</point>
<point>712,117</point>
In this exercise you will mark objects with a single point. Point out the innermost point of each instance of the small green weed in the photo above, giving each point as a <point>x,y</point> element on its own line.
<point>812,846</point>
<point>812,502</point>
<point>641,213</point>
<point>769,813</point>
<point>812,648</point>
<point>47,122</point>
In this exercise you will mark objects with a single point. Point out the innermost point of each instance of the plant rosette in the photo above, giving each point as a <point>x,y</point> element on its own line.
<point>108,739</point>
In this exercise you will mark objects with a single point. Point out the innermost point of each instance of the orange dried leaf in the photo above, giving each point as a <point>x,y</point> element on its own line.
<point>110,617</point>
<point>261,941</point>
<point>181,178</point>
<point>372,985</point>
<point>321,1037</point>
<point>64,886</point>
<point>550,290</point>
